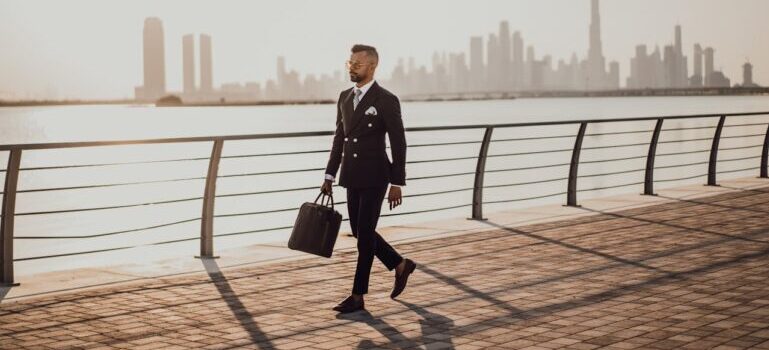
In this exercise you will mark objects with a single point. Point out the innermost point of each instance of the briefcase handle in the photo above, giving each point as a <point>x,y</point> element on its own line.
<point>330,199</point>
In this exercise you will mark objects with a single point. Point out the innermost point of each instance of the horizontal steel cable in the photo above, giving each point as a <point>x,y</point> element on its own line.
<point>528,153</point>
<point>612,173</point>
<point>690,128</point>
<point>527,168</point>
<point>113,164</point>
<point>525,183</point>
<point>533,138</point>
<point>524,199</point>
<point>620,133</point>
<point>440,176</point>
<point>610,187</point>
<point>427,210</point>
<point>706,174</point>
<point>610,160</point>
<point>109,233</point>
<point>751,124</point>
<point>108,185</point>
<point>110,207</point>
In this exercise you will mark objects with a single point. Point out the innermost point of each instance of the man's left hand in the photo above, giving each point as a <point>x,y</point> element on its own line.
<point>394,197</point>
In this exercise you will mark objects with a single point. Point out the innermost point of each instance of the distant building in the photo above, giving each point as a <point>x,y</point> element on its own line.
<point>154,62</point>
<point>492,64</point>
<point>477,70</point>
<point>188,64</point>
<point>206,65</point>
<point>596,63</point>
<point>709,70</point>
<point>697,79</point>
<point>718,79</point>
<point>747,75</point>
<point>517,58</point>
<point>505,63</point>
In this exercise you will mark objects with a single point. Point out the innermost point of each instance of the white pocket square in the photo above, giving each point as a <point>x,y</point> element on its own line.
<point>370,111</point>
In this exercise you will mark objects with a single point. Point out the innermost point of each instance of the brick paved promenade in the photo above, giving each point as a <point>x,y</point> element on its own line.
<point>690,274</point>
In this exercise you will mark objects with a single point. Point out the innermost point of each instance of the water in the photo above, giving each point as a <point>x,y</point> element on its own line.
<point>103,123</point>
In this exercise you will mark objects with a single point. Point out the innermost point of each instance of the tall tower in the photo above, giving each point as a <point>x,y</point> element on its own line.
<point>476,63</point>
<point>747,75</point>
<point>188,63</point>
<point>492,64</point>
<point>504,56</point>
<point>708,66</point>
<point>697,77</point>
<point>518,64</point>
<point>154,61</point>
<point>206,69</point>
<point>596,72</point>
<point>681,71</point>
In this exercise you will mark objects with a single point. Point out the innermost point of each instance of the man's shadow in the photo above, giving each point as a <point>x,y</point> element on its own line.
<point>431,324</point>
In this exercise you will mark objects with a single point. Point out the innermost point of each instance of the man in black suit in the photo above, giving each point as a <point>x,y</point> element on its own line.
<point>365,113</point>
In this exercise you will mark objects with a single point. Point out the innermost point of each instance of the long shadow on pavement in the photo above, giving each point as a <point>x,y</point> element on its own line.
<point>240,312</point>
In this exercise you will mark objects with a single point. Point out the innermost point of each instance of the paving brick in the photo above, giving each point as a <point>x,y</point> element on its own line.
<point>680,275</point>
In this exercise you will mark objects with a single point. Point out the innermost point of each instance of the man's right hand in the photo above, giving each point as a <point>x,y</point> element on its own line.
<point>326,187</point>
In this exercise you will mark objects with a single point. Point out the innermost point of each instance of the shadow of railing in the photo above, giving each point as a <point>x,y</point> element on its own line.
<point>239,311</point>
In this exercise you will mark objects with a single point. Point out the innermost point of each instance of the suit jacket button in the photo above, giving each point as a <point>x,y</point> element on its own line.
<point>345,139</point>
<point>369,125</point>
<point>354,140</point>
<point>355,155</point>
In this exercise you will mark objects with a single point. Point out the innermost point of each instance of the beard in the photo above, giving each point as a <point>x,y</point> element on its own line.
<point>355,78</point>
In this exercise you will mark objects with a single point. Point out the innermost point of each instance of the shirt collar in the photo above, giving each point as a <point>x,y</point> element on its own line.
<point>364,88</point>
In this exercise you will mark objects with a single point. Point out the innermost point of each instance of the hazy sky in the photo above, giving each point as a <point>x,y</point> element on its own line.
<point>93,48</point>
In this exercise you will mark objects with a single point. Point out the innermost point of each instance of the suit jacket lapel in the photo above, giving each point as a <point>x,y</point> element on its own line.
<point>347,112</point>
<point>368,100</point>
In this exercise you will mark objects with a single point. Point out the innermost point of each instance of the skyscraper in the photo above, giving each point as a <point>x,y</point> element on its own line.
<point>188,63</point>
<point>154,61</point>
<point>697,78</point>
<point>492,66</point>
<point>505,80</point>
<point>206,69</point>
<point>709,66</point>
<point>518,65</point>
<point>747,75</point>
<point>476,63</point>
<point>681,70</point>
<point>596,63</point>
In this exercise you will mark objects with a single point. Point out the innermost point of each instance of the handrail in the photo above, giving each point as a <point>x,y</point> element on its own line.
<point>30,146</point>
<point>206,238</point>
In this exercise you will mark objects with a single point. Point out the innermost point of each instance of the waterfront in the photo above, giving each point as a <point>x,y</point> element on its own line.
<point>101,123</point>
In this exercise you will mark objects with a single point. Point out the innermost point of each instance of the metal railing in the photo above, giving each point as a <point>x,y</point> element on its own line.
<point>13,170</point>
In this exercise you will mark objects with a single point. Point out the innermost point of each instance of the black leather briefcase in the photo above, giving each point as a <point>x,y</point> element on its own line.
<point>316,227</point>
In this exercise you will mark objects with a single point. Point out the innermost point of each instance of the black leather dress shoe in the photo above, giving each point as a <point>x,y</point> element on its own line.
<point>349,305</point>
<point>400,280</point>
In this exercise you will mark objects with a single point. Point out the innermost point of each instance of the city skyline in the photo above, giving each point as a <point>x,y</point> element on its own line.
<point>502,69</point>
<point>106,63</point>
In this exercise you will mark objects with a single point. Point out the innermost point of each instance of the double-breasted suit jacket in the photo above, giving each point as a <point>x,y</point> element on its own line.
<point>359,141</point>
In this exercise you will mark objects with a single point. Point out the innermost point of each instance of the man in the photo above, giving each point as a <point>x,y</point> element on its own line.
<point>365,113</point>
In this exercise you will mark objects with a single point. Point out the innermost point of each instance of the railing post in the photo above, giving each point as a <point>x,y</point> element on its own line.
<point>649,177</point>
<point>571,199</point>
<point>9,213</point>
<point>714,153</point>
<point>765,155</point>
<point>480,169</point>
<point>207,222</point>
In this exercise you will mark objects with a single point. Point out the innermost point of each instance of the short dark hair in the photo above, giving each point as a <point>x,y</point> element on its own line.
<point>370,50</point>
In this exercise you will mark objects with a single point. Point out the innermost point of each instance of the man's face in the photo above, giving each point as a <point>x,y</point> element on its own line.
<point>360,66</point>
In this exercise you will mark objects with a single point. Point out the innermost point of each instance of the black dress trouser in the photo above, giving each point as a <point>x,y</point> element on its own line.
<point>364,206</point>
